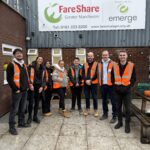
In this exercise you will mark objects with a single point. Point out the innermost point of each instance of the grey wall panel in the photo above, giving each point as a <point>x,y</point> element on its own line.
<point>119,38</point>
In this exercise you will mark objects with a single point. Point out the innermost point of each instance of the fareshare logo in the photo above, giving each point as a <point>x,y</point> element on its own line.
<point>123,8</point>
<point>51,17</point>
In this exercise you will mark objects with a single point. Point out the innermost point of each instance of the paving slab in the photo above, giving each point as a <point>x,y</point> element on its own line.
<point>75,133</point>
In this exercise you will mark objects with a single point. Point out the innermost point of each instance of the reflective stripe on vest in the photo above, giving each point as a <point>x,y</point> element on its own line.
<point>125,79</point>
<point>16,75</point>
<point>92,71</point>
<point>32,75</point>
<point>109,69</point>
<point>73,74</point>
<point>46,74</point>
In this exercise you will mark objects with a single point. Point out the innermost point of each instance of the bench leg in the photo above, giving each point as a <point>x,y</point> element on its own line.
<point>144,138</point>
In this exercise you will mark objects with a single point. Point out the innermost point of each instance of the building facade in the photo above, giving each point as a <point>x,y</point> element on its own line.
<point>12,35</point>
<point>55,45</point>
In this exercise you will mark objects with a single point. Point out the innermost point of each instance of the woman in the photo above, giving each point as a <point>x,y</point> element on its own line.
<point>48,88</point>
<point>37,84</point>
<point>60,82</point>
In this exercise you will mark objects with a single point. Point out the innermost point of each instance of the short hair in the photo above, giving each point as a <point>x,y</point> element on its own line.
<point>91,53</point>
<point>105,51</point>
<point>17,50</point>
<point>77,58</point>
<point>123,51</point>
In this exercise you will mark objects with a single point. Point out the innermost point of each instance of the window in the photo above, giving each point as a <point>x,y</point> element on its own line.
<point>56,55</point>
<point>7,52</point>
<point>81,53</point>
<point>32,55</point>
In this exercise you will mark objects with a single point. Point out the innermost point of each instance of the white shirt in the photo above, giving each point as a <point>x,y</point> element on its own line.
<point>105,66</point>
<point>21,62</point>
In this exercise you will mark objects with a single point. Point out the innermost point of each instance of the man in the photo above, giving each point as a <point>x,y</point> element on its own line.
<point>75,76</point>
<point>124,79</point>
<point>18,80</point>
<point>90,83</point>
<point>105,81</point>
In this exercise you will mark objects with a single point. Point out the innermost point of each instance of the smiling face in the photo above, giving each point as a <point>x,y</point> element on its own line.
<point>39,60</point>
<point>48,64</point>
<point>76,62</point>
<point>123,56</point>
<point>18,55</point>
<point>105,55</point>
<point>90,56</point>
<point>61,64</point>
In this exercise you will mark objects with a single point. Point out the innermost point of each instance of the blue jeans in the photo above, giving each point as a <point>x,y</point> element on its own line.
<point>108,92</point>
<point>92,89</point>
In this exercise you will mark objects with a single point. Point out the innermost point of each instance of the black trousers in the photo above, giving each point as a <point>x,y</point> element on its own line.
<point>123,99</point>
<point>93,90</point>
<point>18,105</point>
<point>34,99</point>
<point>30,102</point>
<point>47,102</point>
<point>108,92</point>
<point>61,92</point>
<point>76,95</point>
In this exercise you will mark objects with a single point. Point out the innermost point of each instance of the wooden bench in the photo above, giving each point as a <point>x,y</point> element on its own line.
<point>143,117</point>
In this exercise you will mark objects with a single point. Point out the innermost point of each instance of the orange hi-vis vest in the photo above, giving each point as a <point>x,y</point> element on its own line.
<point>56,84</point>
<point>92,71</point>
<point>109,69</point>
<point>125,79</point>
<point>32,75</point>
<point>17,74</point>
<point>45,75</point>
<point>73,74</point>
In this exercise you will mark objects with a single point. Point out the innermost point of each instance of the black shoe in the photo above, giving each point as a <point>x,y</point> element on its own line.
<point>35,119</point>
<point>80,111</point>
<point>127,128</point>
<point>103,117</point>
<point>24,125</point>
<point>13,131</point>
<point>118,125</point>
<point>72,109</point>
<point>29,120</point>
<point>113,120</point>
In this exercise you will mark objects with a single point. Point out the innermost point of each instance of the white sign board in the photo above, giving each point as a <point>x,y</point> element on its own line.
<point>76,15</point>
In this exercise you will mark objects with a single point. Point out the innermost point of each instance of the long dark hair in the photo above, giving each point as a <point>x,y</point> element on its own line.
<point>46,63</point>
<point>41,66</point>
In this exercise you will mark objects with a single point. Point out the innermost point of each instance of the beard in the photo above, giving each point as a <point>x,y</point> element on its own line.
<point>19,59</point>
<point>90,60</point>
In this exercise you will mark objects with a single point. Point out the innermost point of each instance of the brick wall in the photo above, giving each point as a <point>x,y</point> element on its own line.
<point>12,31</point>
<point>140,56</point>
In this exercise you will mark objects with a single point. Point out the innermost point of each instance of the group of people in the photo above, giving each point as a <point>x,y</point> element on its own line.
<point>38,80</point>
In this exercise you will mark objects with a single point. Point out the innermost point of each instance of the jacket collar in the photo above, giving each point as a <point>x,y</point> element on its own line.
<point>21,63</point>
